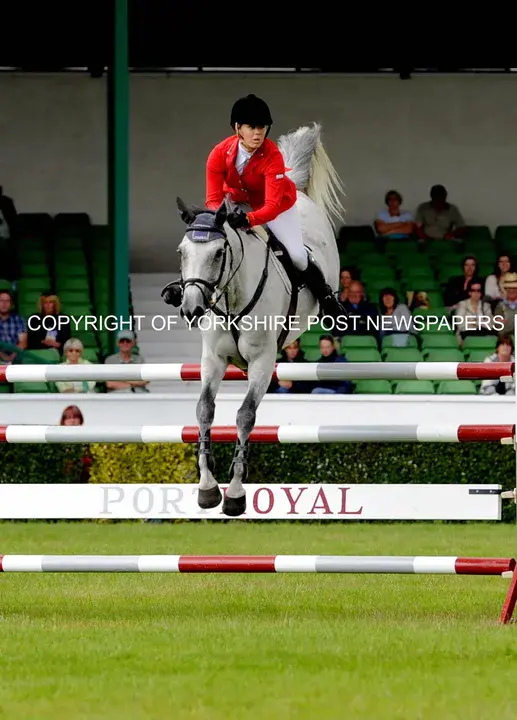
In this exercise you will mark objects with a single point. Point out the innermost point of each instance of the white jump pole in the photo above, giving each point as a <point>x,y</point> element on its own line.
<point>181,434</point>
<point>283,371</point>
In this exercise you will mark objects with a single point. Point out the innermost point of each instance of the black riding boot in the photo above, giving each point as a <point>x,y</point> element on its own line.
<point>315,281</point>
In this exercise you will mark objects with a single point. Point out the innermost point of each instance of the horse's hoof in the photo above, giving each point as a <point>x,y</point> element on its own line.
<point>207,499</point>
<point>234,506</point>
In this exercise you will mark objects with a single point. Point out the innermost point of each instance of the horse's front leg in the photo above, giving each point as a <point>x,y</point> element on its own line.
<point>213,368</point>
<point>261,363</point>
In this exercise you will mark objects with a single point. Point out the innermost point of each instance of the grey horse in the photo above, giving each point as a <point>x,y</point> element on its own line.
<point>219,264</point>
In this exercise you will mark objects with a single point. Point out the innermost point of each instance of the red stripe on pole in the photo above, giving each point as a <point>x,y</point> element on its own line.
<point>228,563</point>
<point>484,433</point>
<point>228,434</point>
<point>3,433</point>
<point>484,566</point>
<point>193,372</point>
<point>3,373</point>
<point>484,371</point>
<point>1,563</point>
<point>509,602</point>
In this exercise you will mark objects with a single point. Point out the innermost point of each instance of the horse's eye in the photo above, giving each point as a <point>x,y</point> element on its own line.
<point>219,254</point>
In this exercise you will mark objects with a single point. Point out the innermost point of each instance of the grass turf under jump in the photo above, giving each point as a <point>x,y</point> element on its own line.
<point>255,646</point>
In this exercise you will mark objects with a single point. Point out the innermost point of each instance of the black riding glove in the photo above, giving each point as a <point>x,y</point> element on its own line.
<point>238,219</point>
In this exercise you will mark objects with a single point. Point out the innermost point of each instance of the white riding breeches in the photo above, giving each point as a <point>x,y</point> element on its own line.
<point>288,229</point>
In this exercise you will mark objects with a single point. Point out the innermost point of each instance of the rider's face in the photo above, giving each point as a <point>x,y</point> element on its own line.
<point>252,137</point>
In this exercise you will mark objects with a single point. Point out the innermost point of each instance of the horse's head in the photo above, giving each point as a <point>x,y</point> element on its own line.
<point>203,258</point>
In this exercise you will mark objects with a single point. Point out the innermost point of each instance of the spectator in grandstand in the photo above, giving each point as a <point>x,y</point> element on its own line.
<point>418,299</point>
<point>48,328</point>
<point>346,276</point>
<point>329,354</point>
<point>291,354</point>
<point>394,223</point>
<point>494,288</point>
<point>8,216</point>
<point>506,309</point>
<point>13,329</point>
<point>126,341</point>
<point>72,416</point>
<point>457,286</point>
<point>475,313</point>
<point>396,319</point>
<point>73,350</point>
<point>439,219</point>
<point>363,315</point>
<point>504,352</point>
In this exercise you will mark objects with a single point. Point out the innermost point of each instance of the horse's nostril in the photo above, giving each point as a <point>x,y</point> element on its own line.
<point>198,312</point>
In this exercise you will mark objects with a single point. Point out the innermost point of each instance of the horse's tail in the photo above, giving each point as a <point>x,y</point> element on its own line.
<point>311,169</point>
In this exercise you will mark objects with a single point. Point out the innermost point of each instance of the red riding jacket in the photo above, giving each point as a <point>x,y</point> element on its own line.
<point>263,184</point>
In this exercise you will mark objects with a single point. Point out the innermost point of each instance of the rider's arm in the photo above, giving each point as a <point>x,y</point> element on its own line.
<point>274,175</point>
<point>215,172</point>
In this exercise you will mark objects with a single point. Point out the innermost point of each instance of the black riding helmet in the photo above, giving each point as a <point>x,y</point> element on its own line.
<point>251,110</point>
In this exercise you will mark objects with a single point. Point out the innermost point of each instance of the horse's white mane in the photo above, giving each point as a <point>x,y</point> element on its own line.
<point>311,169</point>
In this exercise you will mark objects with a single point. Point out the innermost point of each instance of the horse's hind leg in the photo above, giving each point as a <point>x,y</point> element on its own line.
<point>212,373</point>
<point>260,370</point>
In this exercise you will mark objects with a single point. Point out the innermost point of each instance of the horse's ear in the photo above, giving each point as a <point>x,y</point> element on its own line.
<point>221,215</point>
<point>186,213</point>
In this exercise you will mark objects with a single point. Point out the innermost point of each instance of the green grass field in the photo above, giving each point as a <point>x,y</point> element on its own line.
<point>255,646</point>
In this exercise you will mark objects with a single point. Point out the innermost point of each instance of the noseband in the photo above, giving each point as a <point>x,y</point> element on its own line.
<point>203,230</point>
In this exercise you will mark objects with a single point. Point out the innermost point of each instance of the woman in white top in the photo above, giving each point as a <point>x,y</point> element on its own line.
<point>504,352</point>
<point>475,314</point>
<point>73,350</point>
<point>494,289</point>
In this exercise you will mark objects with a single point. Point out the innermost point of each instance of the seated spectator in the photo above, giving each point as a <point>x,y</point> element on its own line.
<point>394,223</point>
<point>346,276</point>
<point>396,319</point>
<point>72,416</point>
<point>474,313</point>
<point>439,219</point>
<point>363,316</point>
<point>457,286</point>
<point>494,289</point>
<point>418,299</point>
<point>329,354</point>
<point>13,330</point>
<point>126,341</point>
<point>504,352</point>
<point>8,237</point>
<point>291,354</point>
<point>73,350</point>
<point>45,329</point>
<point>507,308</point>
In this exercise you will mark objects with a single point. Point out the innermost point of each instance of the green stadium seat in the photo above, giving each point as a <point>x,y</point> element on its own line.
<point>358,341</point>
<point>443,355</point>
<point>479,232</point>
<point>91,354</point>
<point>375,259</point>
<point>396,354</point>
<point>505,232</point>
<point>355,250</point>
<point>372,387</point>
<point>362,355</point>
<point>457,387</point>
<point>312,354</point>
<point>389,341</point>
<point>438,340</point>
<point>309,340</point>
<point>48,356</point>
<point>477,342</point>
<point>6,284</point>
<point>477,355</point>
<point>31,387</point>
<point>414,387</point>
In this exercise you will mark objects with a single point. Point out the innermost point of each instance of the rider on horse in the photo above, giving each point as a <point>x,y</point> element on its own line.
<point>248,169</point>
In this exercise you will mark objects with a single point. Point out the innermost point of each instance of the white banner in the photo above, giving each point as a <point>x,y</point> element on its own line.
<point>264,502</point>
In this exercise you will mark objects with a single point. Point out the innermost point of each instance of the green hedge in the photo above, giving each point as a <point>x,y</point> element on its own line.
<point>304,463</point>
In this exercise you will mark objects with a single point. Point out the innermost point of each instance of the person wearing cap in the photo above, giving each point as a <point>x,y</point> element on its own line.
<point>126,342</point>
<point>249,168</point>
<point>507,307</point>
<point>439,219</point>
